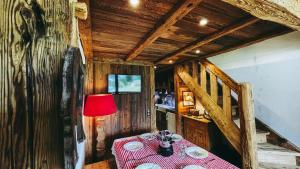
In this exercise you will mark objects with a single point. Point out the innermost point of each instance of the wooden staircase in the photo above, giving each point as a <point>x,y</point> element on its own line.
<point>230,105</point>
<point>270,155</point>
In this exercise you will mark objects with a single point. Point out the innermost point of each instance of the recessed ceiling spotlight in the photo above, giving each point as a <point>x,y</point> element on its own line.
<point>197,51</point>
<point>134,3</point>
<point>203,21</point>
<point>170,61</point>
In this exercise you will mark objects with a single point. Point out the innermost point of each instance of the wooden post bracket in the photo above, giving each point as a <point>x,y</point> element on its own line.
<point>81,11</point>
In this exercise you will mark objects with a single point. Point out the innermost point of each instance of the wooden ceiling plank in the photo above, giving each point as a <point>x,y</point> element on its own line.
<point>170,19</point>
<point>210,38</point>
<point>148,10</point>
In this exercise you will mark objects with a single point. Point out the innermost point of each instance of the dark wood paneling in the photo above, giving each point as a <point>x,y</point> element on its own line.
<point>135,111</point>
<point>30,87</point>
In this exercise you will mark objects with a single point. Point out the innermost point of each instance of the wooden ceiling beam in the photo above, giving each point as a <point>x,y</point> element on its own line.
<point>178,12</point>
<point>210,38</point>
<point>242,45</point>
<point>285,12</point>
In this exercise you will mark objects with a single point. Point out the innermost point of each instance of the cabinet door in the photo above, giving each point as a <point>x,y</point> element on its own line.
<point>196,132</point>
<point>171,119</point>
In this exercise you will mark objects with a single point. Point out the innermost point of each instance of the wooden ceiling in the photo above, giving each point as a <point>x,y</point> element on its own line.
<point>160,30</point>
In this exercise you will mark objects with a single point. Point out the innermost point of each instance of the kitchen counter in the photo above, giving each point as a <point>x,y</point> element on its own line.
<point>164,108</point>
<point>201,119</point>
<point>165,117</point>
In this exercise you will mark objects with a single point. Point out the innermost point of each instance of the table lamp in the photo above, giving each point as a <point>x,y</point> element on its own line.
<point>97,106</point>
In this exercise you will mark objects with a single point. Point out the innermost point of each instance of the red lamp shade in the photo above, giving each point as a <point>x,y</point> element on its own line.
<point>99,105</point>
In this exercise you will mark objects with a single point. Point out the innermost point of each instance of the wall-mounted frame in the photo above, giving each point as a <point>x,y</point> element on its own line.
<point>188,98</point>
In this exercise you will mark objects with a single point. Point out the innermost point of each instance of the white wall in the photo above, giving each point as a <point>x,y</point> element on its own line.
<point>273,68</point>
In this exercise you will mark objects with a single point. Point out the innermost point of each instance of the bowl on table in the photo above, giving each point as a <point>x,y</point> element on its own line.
<point>133,146</point>
<point>147,136</point>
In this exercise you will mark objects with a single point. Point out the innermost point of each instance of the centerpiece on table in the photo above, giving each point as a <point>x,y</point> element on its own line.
<point>165,143</point>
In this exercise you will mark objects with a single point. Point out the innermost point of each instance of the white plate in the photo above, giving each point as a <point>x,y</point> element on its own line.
<point>148,166</point>
<point>196,152</point>
<point>176,137</point>
<point>147,136</point>
<point>133,146</point>
<point>193,167</point>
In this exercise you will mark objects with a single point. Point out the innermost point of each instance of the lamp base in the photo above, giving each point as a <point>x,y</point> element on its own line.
<point>100,146</point>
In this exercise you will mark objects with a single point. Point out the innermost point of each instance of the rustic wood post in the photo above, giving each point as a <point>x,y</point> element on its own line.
<point>81,10</point>
<point>152,94</point>
<point>248,132</point>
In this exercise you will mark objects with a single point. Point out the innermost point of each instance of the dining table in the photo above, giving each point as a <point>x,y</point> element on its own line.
<point>149,154</point>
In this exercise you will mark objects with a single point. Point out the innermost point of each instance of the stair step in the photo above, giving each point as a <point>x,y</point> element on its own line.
<point>269,153</point>
<point>237,122</point>
<point>277,166</point>
<point>261,136</point>
<point>234,110</point>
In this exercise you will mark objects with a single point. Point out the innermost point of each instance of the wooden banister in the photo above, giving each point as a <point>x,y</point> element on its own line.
<point>203,76</point>
<point>243,139</point>
<point>213,87</point>
<point>226,100</point>
<point>225,124</point>
<point>220,74</point>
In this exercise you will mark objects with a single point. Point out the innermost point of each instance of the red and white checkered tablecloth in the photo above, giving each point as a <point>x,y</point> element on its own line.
<point>148,154</point>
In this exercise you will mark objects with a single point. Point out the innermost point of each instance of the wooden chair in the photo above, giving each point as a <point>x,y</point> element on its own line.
<point>99,165</point>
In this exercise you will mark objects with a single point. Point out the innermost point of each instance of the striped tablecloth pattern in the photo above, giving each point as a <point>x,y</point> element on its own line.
<point>148,154</point>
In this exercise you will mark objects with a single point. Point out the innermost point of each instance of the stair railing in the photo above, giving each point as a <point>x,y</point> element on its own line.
<point>204,81</point>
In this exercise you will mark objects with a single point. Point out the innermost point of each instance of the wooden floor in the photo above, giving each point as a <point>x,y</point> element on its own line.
<point>112,163</point>
<point>105,164</point>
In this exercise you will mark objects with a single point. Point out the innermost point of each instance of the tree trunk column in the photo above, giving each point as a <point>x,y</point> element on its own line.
<point>248,129</point>
<point>100,147</point>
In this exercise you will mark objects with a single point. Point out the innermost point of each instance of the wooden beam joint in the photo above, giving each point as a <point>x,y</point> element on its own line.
<point>285,12</point>
<point>203,41</point>
<point>81,11</point>
<point>178,12</point>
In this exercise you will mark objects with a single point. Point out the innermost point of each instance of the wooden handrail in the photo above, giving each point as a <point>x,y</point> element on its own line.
<point>221,75</point>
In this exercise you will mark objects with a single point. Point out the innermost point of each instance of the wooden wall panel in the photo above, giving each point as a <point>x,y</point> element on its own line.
<point>33,38</point>
<point>135,111</point>
<point>89,121</point>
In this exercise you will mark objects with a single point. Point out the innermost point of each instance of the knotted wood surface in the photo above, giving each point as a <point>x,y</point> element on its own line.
<point>33,38</point>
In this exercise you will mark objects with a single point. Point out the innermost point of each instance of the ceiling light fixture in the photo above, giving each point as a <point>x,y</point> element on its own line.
<point>197,51</point>
<point>170,61</point>
<point>134,3</point>
<point>203,22</point>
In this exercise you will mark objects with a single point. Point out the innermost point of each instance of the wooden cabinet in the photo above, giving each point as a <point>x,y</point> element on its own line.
<point>200,132</point>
